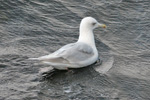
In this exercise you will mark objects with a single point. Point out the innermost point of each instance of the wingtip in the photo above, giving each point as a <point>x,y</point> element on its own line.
<point>33,59</point>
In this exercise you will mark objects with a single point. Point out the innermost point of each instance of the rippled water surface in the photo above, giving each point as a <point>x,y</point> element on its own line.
<point>33,28</point>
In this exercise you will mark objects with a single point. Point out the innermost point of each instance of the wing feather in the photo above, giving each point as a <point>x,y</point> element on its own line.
<point>71,53</point>
<point>78,52</point>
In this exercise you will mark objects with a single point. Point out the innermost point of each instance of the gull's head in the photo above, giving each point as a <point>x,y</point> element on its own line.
<point>90,23</point>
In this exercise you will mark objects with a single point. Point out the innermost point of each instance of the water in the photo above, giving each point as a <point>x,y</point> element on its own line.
<point>33,28</point>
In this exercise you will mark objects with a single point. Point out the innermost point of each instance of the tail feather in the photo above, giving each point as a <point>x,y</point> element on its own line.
<point>34,59</point>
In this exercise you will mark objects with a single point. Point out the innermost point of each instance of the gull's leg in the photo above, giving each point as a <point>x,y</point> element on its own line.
<point>70,71</point>
<point>99,61</point>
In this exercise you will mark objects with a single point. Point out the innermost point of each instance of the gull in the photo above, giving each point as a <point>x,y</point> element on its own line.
<point>79,54</point>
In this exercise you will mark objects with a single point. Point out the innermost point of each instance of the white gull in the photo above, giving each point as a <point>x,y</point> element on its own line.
<point>79,54</point>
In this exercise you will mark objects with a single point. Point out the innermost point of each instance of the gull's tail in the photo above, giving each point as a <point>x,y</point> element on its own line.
<point>42,58</point>
<point>34,59</point>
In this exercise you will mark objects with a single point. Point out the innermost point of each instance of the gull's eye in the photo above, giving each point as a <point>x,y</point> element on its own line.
<point>93,24</point>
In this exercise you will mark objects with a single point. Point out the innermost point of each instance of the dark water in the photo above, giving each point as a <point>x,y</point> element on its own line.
<point>32,28</point>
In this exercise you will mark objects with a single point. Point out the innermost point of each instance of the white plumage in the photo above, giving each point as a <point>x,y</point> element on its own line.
<point>79,54</point>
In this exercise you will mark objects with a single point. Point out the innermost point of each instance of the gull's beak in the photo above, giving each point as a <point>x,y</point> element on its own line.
<point>102,25</point>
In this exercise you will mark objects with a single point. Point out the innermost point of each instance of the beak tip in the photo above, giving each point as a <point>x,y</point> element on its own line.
<point>104,26</point>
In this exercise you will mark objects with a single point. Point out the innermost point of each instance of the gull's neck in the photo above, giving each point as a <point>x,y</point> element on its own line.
<point>86,36</point>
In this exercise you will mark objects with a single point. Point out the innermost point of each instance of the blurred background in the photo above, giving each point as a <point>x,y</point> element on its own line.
<point>33,28</point>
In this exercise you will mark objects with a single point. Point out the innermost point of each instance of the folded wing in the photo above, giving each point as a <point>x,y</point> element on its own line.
<point>71,53</point>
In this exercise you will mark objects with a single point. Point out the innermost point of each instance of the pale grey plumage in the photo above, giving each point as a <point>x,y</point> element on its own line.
<point>75,52</point>
<point>79,54</point>
<point>70,54</point>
